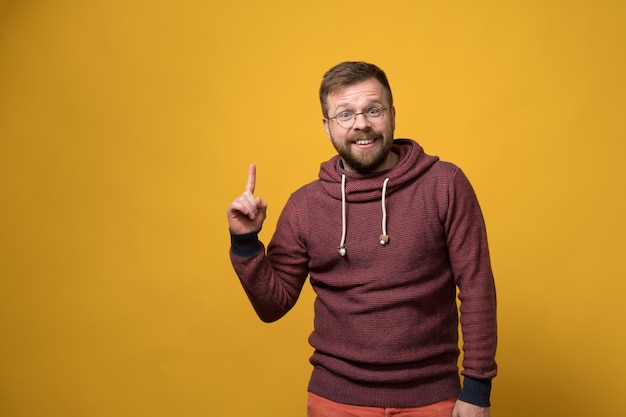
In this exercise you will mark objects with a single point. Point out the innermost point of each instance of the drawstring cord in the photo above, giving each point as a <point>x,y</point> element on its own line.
<point>384,238</point>
<point>342,245</point>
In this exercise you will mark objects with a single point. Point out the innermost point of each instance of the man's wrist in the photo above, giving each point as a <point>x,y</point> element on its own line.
<point>245,245</point>
<point>476,391</point>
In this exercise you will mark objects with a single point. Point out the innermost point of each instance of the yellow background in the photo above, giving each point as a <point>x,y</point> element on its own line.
<point>126,129</point>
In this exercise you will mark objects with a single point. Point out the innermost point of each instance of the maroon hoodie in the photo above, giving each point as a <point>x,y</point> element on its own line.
<point>386,317</point>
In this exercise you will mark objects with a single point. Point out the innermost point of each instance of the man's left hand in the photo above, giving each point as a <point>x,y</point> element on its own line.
<point>463,409</point>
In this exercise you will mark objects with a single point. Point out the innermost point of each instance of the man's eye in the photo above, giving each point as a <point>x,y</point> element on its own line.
<point>373,111</point>
<point>345,115</point>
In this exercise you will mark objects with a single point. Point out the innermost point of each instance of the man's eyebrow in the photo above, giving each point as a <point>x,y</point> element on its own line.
<point>367,104</point>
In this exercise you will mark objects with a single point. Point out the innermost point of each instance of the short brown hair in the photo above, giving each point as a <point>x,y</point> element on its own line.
<point>350,73</point>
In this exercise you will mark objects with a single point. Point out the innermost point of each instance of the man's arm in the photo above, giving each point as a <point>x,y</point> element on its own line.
<point>471,266</point>
<point>271,288</point>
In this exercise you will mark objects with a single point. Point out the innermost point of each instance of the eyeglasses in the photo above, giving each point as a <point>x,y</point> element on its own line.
<point>346,118</point>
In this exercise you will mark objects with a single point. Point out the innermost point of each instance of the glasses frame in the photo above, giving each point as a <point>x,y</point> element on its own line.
<point>354,115</point>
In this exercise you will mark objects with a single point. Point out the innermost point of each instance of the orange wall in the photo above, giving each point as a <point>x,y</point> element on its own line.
<point>126,129</point>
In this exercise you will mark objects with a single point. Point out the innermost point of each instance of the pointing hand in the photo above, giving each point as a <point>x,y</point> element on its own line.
<point>247,213</point>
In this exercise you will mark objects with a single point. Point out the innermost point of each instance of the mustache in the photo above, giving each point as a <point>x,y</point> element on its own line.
<point>363,135</point>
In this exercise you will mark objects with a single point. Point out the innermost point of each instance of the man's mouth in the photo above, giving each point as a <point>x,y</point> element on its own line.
<point>364,138</point>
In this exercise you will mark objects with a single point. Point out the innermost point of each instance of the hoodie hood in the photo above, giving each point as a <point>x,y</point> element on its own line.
<point>413,162</point>
<point>349,187</point>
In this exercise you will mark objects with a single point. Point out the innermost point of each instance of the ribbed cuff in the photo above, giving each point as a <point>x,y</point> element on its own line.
<point>245,245</point>
<point>476,391</point>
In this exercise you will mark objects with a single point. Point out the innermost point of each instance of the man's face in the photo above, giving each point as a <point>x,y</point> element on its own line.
<point>366,145</point>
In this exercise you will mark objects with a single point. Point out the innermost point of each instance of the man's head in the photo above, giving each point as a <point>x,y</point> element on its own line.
<point>359,117</point>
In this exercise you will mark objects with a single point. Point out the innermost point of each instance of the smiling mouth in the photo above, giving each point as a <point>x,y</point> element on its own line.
<point>364,141</point>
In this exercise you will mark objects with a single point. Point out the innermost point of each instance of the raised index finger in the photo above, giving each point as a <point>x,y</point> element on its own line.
<point>251,178</point>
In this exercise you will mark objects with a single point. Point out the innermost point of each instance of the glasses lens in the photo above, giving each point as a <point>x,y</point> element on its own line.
<point>374,114</point>
<point>345,119</point>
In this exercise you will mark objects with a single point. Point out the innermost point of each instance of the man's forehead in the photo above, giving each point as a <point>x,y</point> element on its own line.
<point>370,89</point>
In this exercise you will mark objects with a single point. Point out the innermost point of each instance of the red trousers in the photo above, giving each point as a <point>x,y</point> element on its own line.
<point>321,407</point>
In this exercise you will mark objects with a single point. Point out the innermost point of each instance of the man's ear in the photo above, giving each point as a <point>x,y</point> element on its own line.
<point>392,115</point>
<point>326,123</point>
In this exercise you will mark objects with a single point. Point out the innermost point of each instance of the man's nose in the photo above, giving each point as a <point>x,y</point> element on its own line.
<point>360,122</point>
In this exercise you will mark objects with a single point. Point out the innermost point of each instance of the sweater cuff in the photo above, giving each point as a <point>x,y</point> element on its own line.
<point>476,391</point>
<point>245,245</point>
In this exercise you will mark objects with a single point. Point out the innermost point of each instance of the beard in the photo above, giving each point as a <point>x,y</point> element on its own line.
<point>367,160</point>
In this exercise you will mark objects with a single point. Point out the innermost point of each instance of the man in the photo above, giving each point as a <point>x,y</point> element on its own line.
<point>387,235</point>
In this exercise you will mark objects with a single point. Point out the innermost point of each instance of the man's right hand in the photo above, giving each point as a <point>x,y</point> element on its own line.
<point>247,213</point>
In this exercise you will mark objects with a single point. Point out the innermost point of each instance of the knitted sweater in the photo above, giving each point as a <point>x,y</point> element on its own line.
<point>386,317</point>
